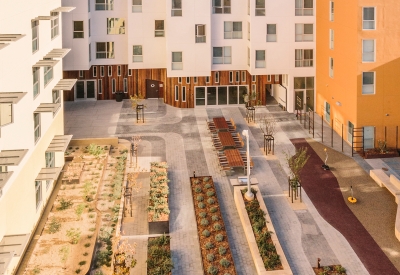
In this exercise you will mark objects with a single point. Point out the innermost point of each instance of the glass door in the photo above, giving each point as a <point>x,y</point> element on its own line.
<point>85,89</point>
<point>90,90</point>
<point>80,89</point>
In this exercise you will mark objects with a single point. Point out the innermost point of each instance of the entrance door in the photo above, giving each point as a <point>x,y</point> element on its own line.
<point>152,88</point>
<point>369,137</point>
<point>85,89</point>
<point>299,100</point>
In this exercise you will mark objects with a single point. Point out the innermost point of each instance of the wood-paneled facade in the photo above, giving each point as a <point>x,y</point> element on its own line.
<point>136,83</point>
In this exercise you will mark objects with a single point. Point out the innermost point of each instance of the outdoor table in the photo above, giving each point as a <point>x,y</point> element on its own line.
<point>234,158</point>
<point>220,124</point>
<point>226,139</point>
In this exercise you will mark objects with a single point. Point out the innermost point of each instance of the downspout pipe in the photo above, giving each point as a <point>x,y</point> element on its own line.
<point>285,95</point>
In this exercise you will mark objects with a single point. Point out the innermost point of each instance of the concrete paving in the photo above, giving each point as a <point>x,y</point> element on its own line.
<point>180,137</point>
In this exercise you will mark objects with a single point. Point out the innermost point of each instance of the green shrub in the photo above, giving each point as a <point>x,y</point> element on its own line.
<point>209,245</point>
<point>213,209</point>
<point>207,186</point>
<point>202,214</point>
<point>205,233</point>
<point>78,271</point>
<point>87,244</point>
<point>82,262</point>
<point>54,226</point>
<point>64,204</point>
<point>95,150</point>
<point>74,235</point>
<point>215,218</point>
<point>210,201</point>
<point>210,193</point>
<point>224,262</point>
<point>212,270</point>
<point>219,237</point>
<point>206,179</point>
<point>204,222</point>
<point>222,250</point>
<point>85,254</point>
<point>79,210</point>
<point>217,226</point>
<point>102,258</point>
<point>200,198</point>
<point>198,190</point>
<point>201,205</point>
<point>340,269</point>
<point>210,257</point>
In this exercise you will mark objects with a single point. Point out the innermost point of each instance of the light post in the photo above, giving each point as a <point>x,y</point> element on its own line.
<point>249,195</point>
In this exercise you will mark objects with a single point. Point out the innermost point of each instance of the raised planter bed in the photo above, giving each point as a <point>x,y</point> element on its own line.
<point>273,261</point>
<point>214,245</point>
<point>159,259</point>
<point>375,153</point>
<point>330,270</point>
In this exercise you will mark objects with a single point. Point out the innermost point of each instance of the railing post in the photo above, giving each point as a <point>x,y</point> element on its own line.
<point>332,133</point>
<point>342,137</point>
<point>313,124</point>
<point>322,128</point>
<point>397,136</point>
<point>385,133</point>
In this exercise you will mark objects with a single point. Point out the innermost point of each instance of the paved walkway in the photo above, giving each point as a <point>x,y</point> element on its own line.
<point>180,137</point>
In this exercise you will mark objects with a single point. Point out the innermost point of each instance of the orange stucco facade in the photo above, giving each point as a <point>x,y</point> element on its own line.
<point>343,90</point>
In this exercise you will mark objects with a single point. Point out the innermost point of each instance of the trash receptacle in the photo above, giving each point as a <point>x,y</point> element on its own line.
<point>119,96</point>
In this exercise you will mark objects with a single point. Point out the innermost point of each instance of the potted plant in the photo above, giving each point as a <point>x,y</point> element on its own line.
<point>119,96</point>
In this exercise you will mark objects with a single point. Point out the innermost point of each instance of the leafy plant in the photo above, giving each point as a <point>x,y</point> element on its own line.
<point>219,237</point>
<point>64,204</point>
<point>199,198</point>
<point>204,222</point>
<point>212,270</point>
<point>205,233</point>
<point>202,214</point>
<point>85,254</point>
<point>206,179</point>
<point>210,201</point>
<point>159,190</point>
<point>36,270</point>
<point>207,186</point>
<point>79,210</point>
<point>82,262</point>
<point>210,257</point>
<point>64,253</point>
<point>87,244</point>
<point>54,225</point>
<point>217,227</point>
<point>222,250</point>
<point>213,209</point>
<point>198,190</point>
<point>209,245</point>
<point>215,218</point>
<point>74,235</point>
<point>210,193</point>
<point>95,150</point>
<point>297,162</point>
<point>159,260</point>
<point>201,205</point>
<point>102,258</point>
<point>78,271</point>
<point>225,263</point>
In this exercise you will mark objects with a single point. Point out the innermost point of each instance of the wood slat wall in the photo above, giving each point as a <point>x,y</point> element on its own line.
<point>137,83</point>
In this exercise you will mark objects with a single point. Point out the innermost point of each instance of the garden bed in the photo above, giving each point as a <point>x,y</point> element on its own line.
<point>376,153</point>
<point>265,247</point>
<point>214,245</point>
<point>159,259</point>
<point>330,270</point>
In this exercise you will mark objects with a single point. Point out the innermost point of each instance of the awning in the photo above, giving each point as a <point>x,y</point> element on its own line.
<point>49,173</point>
<point>12,157</point>
<point>4,176</point>
<point>57,53</point>
<point>11,97</point>
<point>5,259</point>
<point>10,37</point>
<point>65,84</point>
<point>15,244</point>
<point>47,107</point>
<point>46,63</point>
<point>45,17</point>
<point>59,143</point>
<point>63,9</point>
<point>3,45</point>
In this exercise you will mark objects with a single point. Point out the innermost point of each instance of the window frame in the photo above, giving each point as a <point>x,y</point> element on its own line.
<point>331,39</point>
<point>129,72</point>
<point>109,70</point>
<point>331,67</point>
<point>176,65</point>
<point>48,75</point>
<point>368,53</point>
<point>243,76</point>
<point>259,11</point>
<point>119,70</point>
<point>216,77</point>
<point>222,8</point>
<point>179,79</point>
<point>38,193</point>
<point>232,34</point>
<point>108,53</point>
<point>175,9</point>
<point>260,63</point>
<point>94,71</point>
<point>183,93</point>
<point>176,93</point>
<point>100,86</point>
<point>101,71</point>
<point>271,37</point>
<point>363,86</point>
<point>195,79</point>
<point>200,38</point>
<point>303,61</point>
<point>207,79</point>
<point>78,33</point>
<point>253,78</point>
<point>55,25</point>
<point>301,10</point>
<point>36,75</point>
<point>230,76</point>
<point>112,29</point>
<point>106,4</point>
<point>303,36</point>
<point>368,20</point>
<point>9,112</point>
<point>188,80</point>
<point>158,31</point>
<point>331,10</point>
<point>113,86</point>
<point>57,97</point>
<point>237,76</point>
<point>36,127</point>
<point>137,8</point>
<point>223,57</point>
<point>125,85</point>
<point>137,58</point>
<point>35,35</point>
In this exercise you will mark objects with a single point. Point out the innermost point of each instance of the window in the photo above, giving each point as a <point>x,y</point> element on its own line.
<point>101,71</point>
<point>230,77</point>
<point>56,96</point>
<point>304,32</point>
<point>187,80</point>
<point>268,78</point>
<point>35,36</point>
<point>368,18</point>
<point>78,29</point>
<point>159,28</point>
<point>303,58</point>
<point>243,76</point>
<point>222,55</point>
<point>129,72</point>
<point>54,25</point>
<point>90,52</point>
<point>102,5</point>
<point>237,76</point>
<point>137,53</point>
<point>232,30</point>
<point>177,61</point>
<point>260,7</point>
<point>304,7</point>
<point>277,78</point>
<point>368,50</point>
<point>48,75</point>
<point>80,74</point>
<point>104,50</point>
<point>207,79</point>
<point>89,26</point>
<point>176,92</point>
<point>350,127</point>
<point>100,86</point>
<point>125,85</point>
<point>50,160</point>
<point>136,5</point>
<point>248,7</point>
<point>200,33</point>
<point>328,112</point>
<point>176,8</point>
<point>271,32</point>
<point>36,83</point>
<point>254,88</point>
<point>94,71</point>
<point>221,6</point>
<point>248,31</point>
<point>88,4</point>
<point>330,66</point>
<point>109,71</point>
<point>195,79</point>
<point>248,56</point>
<point>260,59</point>
<point>36,126</point>
<point>115,26</point>
<point>216,77</point>
<point>5,114</point>
<point>113,86</point>
<point>368,83</point>
<point>118,70</point>
<point>254,78</point>
<point>183,94</point>
<point>179,80</point>
<point>38,191</point>
<point>331,39</point>
<point>331,10</point>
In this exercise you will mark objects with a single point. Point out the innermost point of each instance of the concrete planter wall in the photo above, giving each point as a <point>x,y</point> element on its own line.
<point>250,235</point>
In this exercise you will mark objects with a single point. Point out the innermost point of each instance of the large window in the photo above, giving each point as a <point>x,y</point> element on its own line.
<point>304,32</point>
<point>36,126</point>
<point>104,50</point>
<point>56,96</point>
<point>177,63</point>
<point>6,113</point>
<point>137,53</point>
<point>50,162</point>
<point>368,83</point>
<point>113,86</point>
<point>48,75</point>
<point>36,83</point>
<point>183,94</point>
<point>136,5</point>
<point>260,7</point>
<point>38,191</point>
<point>222,55</point>
<point>54,25</point>
<point>78,29</point>
<point>331,67</point>
<point>176,8</point>
<point>176,92</point>
<point>368,50</point>
<point>102,5</point>
<point>220,95</point>
<point>368,18</point>
<point>304,7</point>
<point>303,58</point>
<point>221,6</point>
<point>271,33</point>
<point>232,30</point>
<point>200,32</point>
<point>304,92</point>
<point>115,26</point>
<point>331,39</point>
<point>125,85</point>
<point>159,28</point>
<point>260,59</point>
<point>35,36</point>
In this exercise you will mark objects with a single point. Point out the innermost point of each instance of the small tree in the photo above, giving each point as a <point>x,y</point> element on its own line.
<point>74,235</point>
<point>267,124</point>
<point>297,162</point>
<point>136,99</point>
<point>123,256</point>
<point>64,253</point>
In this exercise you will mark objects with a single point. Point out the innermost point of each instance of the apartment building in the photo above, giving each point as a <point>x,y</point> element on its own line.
<point>357,67</point>
<point>192,53</point>
<point>31,119</point>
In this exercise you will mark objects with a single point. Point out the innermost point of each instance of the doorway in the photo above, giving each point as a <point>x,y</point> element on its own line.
<point>85,89</point>
<point>152,88</point>
<point>369,137</point>
<point>269,97</point>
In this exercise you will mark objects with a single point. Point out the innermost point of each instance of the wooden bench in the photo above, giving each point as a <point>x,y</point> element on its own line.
<point>393,185</point>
